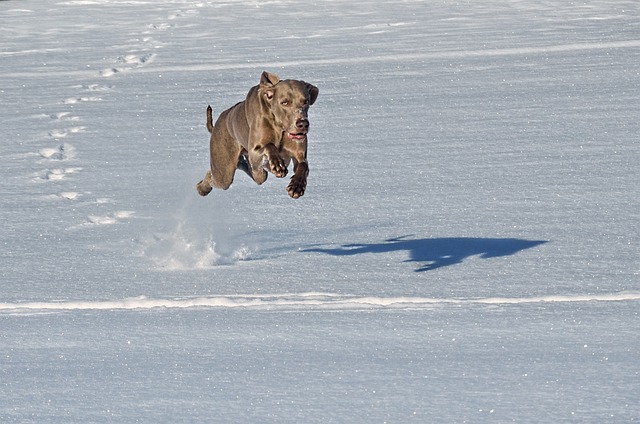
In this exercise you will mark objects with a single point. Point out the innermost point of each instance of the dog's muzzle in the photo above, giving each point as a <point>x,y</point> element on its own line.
<point>302,128</point>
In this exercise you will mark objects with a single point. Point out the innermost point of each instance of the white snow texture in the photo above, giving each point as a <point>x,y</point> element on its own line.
<point>467,249</point>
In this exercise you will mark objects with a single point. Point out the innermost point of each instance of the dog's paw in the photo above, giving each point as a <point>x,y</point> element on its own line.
<point>296,187</point>
<point>278,167</point>
<point>203,188</point>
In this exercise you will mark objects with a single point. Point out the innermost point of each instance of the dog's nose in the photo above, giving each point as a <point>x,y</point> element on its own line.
<point>302,124</point>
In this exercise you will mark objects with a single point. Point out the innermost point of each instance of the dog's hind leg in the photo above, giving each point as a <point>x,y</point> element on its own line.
<point>204,186</point>
<point>219,176</point>
<point>243,163</point>
<point>223,168</point>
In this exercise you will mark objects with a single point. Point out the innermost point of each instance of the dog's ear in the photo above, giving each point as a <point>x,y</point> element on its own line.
<point>313,93</point>
<point>267,82</point>
<point>268,78</point>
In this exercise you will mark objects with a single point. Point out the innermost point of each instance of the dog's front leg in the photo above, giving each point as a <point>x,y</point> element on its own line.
<point>267,158</point>
<point>298,183</point>
<point>277,165</point>
<point>297,151</point>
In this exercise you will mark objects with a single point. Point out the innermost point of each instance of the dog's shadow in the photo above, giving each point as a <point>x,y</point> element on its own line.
<point>433,253</point>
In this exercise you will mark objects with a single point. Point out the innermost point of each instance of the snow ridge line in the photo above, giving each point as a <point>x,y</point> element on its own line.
<point>428,55</point>
<point>315,301</point>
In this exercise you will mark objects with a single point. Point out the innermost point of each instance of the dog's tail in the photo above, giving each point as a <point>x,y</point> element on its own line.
<point>209,119</point>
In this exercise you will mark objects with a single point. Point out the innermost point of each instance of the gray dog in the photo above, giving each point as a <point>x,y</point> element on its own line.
<point>265,132</point>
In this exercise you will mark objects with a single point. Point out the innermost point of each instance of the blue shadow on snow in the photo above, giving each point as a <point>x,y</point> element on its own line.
<point>437,252</point>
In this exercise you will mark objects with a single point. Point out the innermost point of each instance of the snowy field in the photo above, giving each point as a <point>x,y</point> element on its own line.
<point>468,248</point>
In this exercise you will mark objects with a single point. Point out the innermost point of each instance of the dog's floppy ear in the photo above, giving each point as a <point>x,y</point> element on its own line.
<point>267,82</point>
<point>313,93</point>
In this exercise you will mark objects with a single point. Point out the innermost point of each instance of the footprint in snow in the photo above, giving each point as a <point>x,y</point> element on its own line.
<point>136,60</point>
<point>58,133</point>
<point>114,218</point>
<point>64,116</point>
<point>160,27</point>
<point>56,174</point>
<point>65,195</point>
<point>70,195</point>
<point>109,72</point>
<point>183,13</point>
<point>129,62</point>
<point>96,87</point>
<point>74,100</point>
<point>63,152</point>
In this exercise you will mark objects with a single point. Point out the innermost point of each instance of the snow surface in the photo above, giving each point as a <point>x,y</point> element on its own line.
<point>467,250</point>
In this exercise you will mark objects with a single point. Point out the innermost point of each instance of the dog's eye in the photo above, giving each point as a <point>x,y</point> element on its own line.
<point>285,103</point>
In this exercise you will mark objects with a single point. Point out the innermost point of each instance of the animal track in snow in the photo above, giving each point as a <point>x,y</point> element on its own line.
<point>129,61</point>
<point>182,13</point>
<point>56,174</point>
<point>96,87</point>
<point>74,100</point>
<point>111,219</point>
<point>109,72</point>
<point>136,60</point>
<point>65,195</point>
<point>64,125</point>
<point>70,195</point>
<point>88,92</point>
<point>98,220</point>
<point>63,152</point>
<point>58,133</point>
<point>160,27</point>
<point>64,116</point>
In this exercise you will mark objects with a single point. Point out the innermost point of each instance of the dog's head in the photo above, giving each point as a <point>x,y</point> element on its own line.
<point>289,102</point>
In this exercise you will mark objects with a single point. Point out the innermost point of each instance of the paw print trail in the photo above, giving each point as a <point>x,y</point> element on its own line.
<point>64,150</point>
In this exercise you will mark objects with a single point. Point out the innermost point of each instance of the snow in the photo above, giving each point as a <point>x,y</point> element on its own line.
<point>467,249</point>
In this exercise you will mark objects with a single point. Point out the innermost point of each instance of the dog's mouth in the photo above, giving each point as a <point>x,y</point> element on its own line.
<point>297,136</point>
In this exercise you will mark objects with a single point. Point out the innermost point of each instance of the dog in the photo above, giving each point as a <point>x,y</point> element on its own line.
<point>262,134</point>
